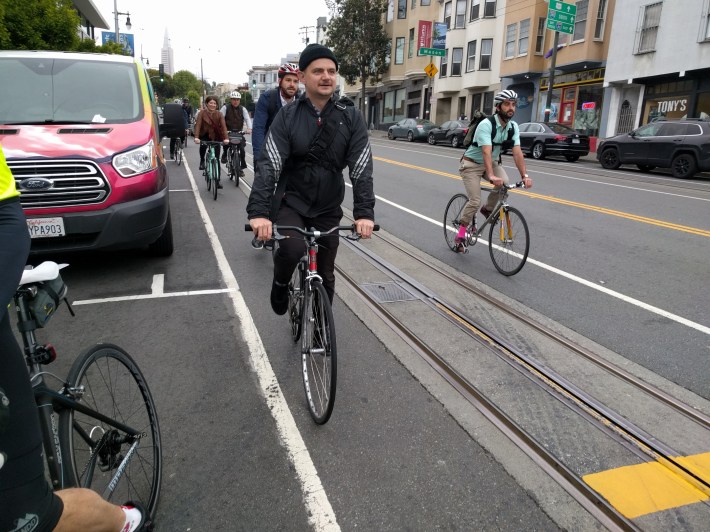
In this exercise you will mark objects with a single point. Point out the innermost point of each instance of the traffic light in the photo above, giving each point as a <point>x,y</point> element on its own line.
<point>161,71</point>
<point>253,83</point>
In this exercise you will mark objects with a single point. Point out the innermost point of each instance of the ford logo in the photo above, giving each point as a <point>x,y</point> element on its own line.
<point>36,183</point>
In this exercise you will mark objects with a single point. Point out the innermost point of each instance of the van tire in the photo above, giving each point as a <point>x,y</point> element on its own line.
<point>163,247</point>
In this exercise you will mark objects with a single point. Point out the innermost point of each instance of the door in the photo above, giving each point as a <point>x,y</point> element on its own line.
<point>568,106</point>
<point>636,148</point>
<point>669,138</point>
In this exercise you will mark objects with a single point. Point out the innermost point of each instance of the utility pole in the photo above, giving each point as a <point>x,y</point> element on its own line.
<point>551,79</point>
<point>306,31</point>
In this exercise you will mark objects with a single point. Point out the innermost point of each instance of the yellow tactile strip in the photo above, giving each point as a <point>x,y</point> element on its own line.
<point>642,489</point>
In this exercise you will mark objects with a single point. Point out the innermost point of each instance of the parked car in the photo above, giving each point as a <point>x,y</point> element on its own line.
<point>451,132</point>
<point>81,135</point>
<point>681,145</point>
<point>410,128</point>
<point>540,140</point>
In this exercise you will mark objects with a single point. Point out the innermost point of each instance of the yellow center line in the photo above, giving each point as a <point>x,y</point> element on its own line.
<point>628,216</point>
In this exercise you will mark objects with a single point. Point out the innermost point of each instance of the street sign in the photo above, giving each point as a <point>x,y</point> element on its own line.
<point>432,51</point>
<point>561,16</point>
<point>431,70</point>
<point>560,26</point>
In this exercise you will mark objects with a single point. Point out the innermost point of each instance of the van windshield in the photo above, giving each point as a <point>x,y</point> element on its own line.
<point>40,90</point>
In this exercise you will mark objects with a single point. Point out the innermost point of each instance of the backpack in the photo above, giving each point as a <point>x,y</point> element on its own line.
<point>479,117</point>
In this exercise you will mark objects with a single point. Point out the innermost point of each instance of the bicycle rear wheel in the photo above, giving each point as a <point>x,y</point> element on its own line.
<point>236,166</point>
<point>214,166</point>
<point>452,216</point>
<point>319,353</point>
<point>94,451</point>
<point>178,152</point>
<point>509,241</point>
<point>208,175</point>
<point>295,301</point>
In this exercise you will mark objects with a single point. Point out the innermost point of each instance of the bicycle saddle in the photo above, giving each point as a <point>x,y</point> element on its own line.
<point>46,271</point>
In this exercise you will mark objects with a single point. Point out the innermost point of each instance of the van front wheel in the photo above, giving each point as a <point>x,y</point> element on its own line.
<point>163,247</point>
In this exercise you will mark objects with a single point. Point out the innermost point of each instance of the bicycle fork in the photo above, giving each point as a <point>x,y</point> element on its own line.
<point>505,227</point>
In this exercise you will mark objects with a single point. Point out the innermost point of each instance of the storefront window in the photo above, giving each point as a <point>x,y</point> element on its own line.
<point>388,107</point>
<point>399,107</point>
<point>578,107</point>
<point>703,105</point>
<point>554,105</point>
<point>669,107</point>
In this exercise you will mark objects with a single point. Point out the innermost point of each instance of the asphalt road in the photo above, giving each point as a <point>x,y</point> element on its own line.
<point>394,456</point>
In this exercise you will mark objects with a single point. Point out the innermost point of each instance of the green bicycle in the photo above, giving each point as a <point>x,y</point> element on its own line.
<point>212,170</point>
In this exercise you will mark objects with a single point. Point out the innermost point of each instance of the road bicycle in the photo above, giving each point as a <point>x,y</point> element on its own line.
<point>234,171</point>
<point>508,236</point>
<point>212,170</point>
<point>310,317</point>
<point>100,428</point>
<point>178,151</point>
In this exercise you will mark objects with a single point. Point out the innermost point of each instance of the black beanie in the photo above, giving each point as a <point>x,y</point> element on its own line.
<point>315,51</point>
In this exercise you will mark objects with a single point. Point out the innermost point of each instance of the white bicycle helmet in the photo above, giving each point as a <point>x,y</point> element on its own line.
<point>235,94</point>
<point>505,95</point>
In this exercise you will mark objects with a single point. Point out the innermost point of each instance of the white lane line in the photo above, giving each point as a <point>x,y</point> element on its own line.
<point>158,286</point>
<point>650,308</point>
<point>318,509</point>
<point>151,296</point>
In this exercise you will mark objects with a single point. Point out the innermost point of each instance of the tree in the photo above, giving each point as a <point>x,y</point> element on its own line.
<point>185,81</point>
<point>358,39</point>
<point>38,25</point>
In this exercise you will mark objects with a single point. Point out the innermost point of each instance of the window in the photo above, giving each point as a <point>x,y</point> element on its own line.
<point>390,10</point>
<point>460,13</point>
<point>401,8</point>
<point>425,3</point>
<point>523,37</point>
<point>706,22</point>
<point>410,51</point>
<point>456,60</point>
<point>444,64</point>
<point>447,14</point>
<point>510,32</point>
<point>580,20</point>
<point>399,51</point>
<point>488,100</point>
<point>601,19</point>
<point>540,38</point>
<point>475,9</point>
<point>489,9</point>
<point>486,51</point>
<point>471,57</point>
<point>650,19</point>
<point>414,4</point>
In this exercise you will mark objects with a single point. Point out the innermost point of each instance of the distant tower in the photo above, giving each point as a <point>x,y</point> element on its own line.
<point>166,55</point>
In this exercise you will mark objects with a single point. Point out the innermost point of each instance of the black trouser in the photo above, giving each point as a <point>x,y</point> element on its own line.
<point>203,149</point>
<point>291,249</point>
<point>23,488</point>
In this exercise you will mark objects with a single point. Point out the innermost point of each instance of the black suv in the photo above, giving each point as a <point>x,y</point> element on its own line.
<point>681,145</point>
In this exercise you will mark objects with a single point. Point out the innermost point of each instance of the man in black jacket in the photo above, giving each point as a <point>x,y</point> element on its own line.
<point>310,190</point>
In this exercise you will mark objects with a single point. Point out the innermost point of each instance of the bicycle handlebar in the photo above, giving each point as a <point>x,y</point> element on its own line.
<point>306,233</point>
<point>211,142</point>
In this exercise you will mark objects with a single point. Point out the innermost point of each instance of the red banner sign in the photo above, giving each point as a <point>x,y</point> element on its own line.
<point>424,34</point>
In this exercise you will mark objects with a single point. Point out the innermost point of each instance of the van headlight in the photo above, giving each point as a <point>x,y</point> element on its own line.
<point>136,161</point>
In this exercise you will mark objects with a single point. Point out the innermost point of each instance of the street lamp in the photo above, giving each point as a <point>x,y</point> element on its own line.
<point>116,12</point>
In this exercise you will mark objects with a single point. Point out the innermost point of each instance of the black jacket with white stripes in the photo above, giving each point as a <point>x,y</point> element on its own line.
<point>313,189</point>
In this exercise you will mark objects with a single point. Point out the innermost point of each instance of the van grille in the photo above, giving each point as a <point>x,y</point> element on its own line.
<point>70,183</point>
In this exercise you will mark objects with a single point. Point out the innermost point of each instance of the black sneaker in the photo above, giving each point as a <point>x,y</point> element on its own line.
<point>219,185</point>
<point>485,212</point>
<point>241,173</point>
<point>146,524</point>
<point>172,155</point>
<point>223,160</point>
<point>202,165</point>
<point>279,298</point>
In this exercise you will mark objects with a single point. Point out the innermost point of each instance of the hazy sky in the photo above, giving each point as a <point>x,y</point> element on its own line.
<point>229,41</point>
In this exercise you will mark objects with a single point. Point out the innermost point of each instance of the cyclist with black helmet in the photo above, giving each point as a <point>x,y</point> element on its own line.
<point>237,118</point>
<point>483,159</point>
<point>271,101</point>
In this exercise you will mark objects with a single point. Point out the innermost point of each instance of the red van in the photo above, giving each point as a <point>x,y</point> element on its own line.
<point>80,133</point>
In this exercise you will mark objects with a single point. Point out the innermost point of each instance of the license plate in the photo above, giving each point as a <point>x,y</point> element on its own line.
<point>575,141</point>
<point>45,227</point>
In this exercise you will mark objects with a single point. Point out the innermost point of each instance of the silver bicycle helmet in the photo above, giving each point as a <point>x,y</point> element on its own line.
<point>504,95</point>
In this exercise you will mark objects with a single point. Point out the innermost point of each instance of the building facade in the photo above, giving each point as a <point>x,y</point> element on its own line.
<point>660,67</point>
<point>91,19</point>
<point>166,55</point>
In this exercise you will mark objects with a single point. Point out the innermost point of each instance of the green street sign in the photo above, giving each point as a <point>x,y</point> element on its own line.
<point>560,26</point>
<point>562,8</point>
<point>432,51</point>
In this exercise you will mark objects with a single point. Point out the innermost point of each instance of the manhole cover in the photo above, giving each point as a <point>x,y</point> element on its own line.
<point>387,292</point>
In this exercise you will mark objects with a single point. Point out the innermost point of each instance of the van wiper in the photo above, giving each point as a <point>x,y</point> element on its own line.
<point>50,121</point>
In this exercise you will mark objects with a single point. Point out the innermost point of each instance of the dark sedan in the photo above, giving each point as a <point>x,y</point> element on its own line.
<point>451,132</point>
<point>540,140</point>
<point>411,129</point>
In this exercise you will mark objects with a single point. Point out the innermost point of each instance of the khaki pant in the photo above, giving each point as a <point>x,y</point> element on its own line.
<point>471,175</point>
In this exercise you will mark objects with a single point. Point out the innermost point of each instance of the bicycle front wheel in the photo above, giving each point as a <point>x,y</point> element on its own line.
<point>99,455</point>
<point>214,170</point>
<point>319,353</point>
<point>509,241</point>
<point>236,166</point>
<point>452,215</point>
<point>295,301</point>
<point>208,175</point>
